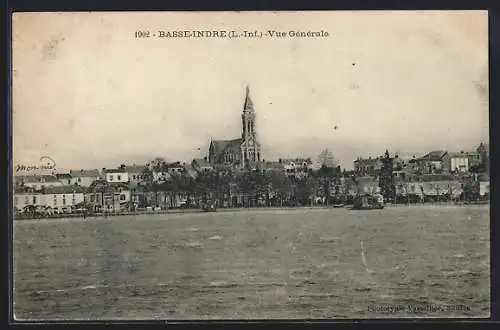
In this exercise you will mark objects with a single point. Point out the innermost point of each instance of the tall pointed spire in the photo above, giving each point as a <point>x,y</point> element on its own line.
<point>248,106</point>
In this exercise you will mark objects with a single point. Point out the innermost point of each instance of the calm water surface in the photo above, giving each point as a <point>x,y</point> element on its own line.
<point>337,263</point>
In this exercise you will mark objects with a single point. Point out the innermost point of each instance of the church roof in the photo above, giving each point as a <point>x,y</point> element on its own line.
<point>248,105</point>
<point>222,145</point>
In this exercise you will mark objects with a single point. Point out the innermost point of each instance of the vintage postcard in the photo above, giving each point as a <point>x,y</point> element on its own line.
<point>250,165</point>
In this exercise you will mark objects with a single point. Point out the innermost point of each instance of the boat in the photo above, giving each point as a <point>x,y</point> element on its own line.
<point>338,205</point>
<point>368,202</point>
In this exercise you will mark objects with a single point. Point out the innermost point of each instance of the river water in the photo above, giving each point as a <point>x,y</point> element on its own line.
<point>259,264</point>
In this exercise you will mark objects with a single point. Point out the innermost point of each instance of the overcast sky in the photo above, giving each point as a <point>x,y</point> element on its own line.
<point>87,93</point>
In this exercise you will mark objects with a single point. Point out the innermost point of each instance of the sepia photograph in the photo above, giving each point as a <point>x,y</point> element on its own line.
<point>316,165</point>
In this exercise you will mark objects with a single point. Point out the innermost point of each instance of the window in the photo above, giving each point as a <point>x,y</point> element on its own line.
<point>55,200</point>
<point>26,200</point>
<point>73,199</point>
<point>15,200</point>
<point>134,176</point>
<point>34,199</point>
<point>79,179</point>
<point>122,197</point>
<point>110,178</point>
<point>64,200</point>
<point>119,177</point>
<point>92,198</point>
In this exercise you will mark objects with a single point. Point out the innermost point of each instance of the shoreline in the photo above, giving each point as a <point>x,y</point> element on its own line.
<point>253,209</point>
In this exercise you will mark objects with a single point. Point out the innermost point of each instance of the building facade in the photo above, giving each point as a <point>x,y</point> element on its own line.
<point>83,177</point>
<point>368,166</point>
<point>458,162</point>
<point>241,152</point>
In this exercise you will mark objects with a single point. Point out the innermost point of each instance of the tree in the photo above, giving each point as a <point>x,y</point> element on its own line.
<point>325,158</point>
<point>386,181</point>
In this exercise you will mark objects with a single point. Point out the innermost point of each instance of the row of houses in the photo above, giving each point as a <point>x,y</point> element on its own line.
<point>118,196</point>
<point>434,162</point>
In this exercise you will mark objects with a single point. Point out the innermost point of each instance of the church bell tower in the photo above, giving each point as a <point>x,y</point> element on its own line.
<point>250,145</point>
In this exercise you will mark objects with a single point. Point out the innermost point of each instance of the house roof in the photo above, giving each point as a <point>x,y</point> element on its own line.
<point>100,185</point>
<point>135,168</point>
<point>92,173</point>
<point>71,189</point>
<point>25,190</point>
<point>434,156</point>
<point>220,146</point>
<point>367,160</point>
<point>64,176</point>
<point>438,177</point>
<point>38,178</point>
<point>115,170</point>
<point>459,154</point>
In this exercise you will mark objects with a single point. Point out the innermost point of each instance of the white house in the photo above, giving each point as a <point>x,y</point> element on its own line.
<point>63,196</point>
<point>117,176</point>
<point>25,196</point>
<point>459,162</point>
<point>38,182</point>
<point>55,197</point>
<point>484,185</point>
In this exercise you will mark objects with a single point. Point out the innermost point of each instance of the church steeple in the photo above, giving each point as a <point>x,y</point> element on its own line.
<point>248,105</point>
<point>250,147</point>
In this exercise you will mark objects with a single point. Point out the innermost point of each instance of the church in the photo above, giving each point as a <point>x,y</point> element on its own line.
<point>243,152</point>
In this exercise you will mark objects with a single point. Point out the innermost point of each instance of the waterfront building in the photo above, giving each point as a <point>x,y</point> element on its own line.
<point>55,197</point>
<point>457,162</point>
<point>484,185</point>
<point>116,175</point>
<point>108,196</point>
<point>24,196</point>
<point>434,185</point>
<point>368,166</point>
<point>136,173</point>
<point>435,162</point>
<point>37,182</point>
<point>63,196</point>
